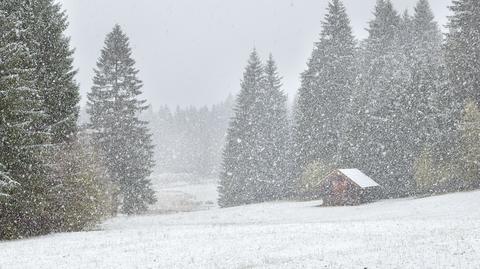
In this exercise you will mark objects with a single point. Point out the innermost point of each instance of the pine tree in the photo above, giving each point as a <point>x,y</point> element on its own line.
<point>274,137</point>
<point>326,89</point>
<point>380,103</point>
<point>13,56</point>
<point>463,52</point>
<point>23,207</point>
<point>424,111</point>
<point>421,40</point>
<point>114,107</point>
<point>53,66</point>
<point>239,177</point>
<point>255,158</point>
<point>427,63</point>
<point>462,57</point>
<point>406,33</point>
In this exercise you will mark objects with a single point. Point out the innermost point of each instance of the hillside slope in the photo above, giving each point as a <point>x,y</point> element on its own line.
<point>435,232</point>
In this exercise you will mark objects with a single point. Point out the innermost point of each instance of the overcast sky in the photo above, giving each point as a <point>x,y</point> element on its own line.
<point>193,52</point>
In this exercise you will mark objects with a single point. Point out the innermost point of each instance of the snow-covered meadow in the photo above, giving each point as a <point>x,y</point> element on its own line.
<point>434,232</point>
<point>183,193</point>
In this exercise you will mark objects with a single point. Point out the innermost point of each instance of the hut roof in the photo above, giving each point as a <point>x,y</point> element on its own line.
<point>359,178</point>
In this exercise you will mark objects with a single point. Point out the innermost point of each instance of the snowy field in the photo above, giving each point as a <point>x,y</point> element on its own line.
<point>436,232</point>
<point>183,193</point>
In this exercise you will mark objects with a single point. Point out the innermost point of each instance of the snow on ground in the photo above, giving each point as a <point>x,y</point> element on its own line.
<point>435,232</point>
<point>183,193</point>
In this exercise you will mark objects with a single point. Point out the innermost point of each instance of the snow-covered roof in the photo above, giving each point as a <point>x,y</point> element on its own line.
<point>359,178</point>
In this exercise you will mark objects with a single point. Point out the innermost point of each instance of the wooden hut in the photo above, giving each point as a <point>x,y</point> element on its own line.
<point>345,187</point>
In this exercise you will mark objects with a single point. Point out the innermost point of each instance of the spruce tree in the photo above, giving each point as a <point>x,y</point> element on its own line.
<point>423,99</point>
<point>23,207</point>
<point>381,105</point>
<point>273,137</point>
<point>16,99</point>
<point>463,52</point>
<point>255,167</point>
<point>239,177</point>
<point>53,66</point>
<point>420,119</point>
<point>114,107</point>
<point>462,57</point>
<point>326,88</point>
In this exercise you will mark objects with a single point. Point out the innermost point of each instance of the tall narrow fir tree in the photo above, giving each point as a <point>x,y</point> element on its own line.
<point>274,137</point>
<point>114,106</point>
<point>324,96</point>
<point>380,104</point>
<point>238,177</point>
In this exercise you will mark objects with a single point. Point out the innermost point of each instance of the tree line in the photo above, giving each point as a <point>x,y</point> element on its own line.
<point>401,105</point>
<point>190,140</point>
<point>55,175</point>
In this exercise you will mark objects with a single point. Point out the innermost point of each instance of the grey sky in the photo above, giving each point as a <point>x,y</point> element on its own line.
<point>192,52</point>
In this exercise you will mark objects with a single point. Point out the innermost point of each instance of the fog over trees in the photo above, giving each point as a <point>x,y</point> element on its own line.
<point>190,140</point>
